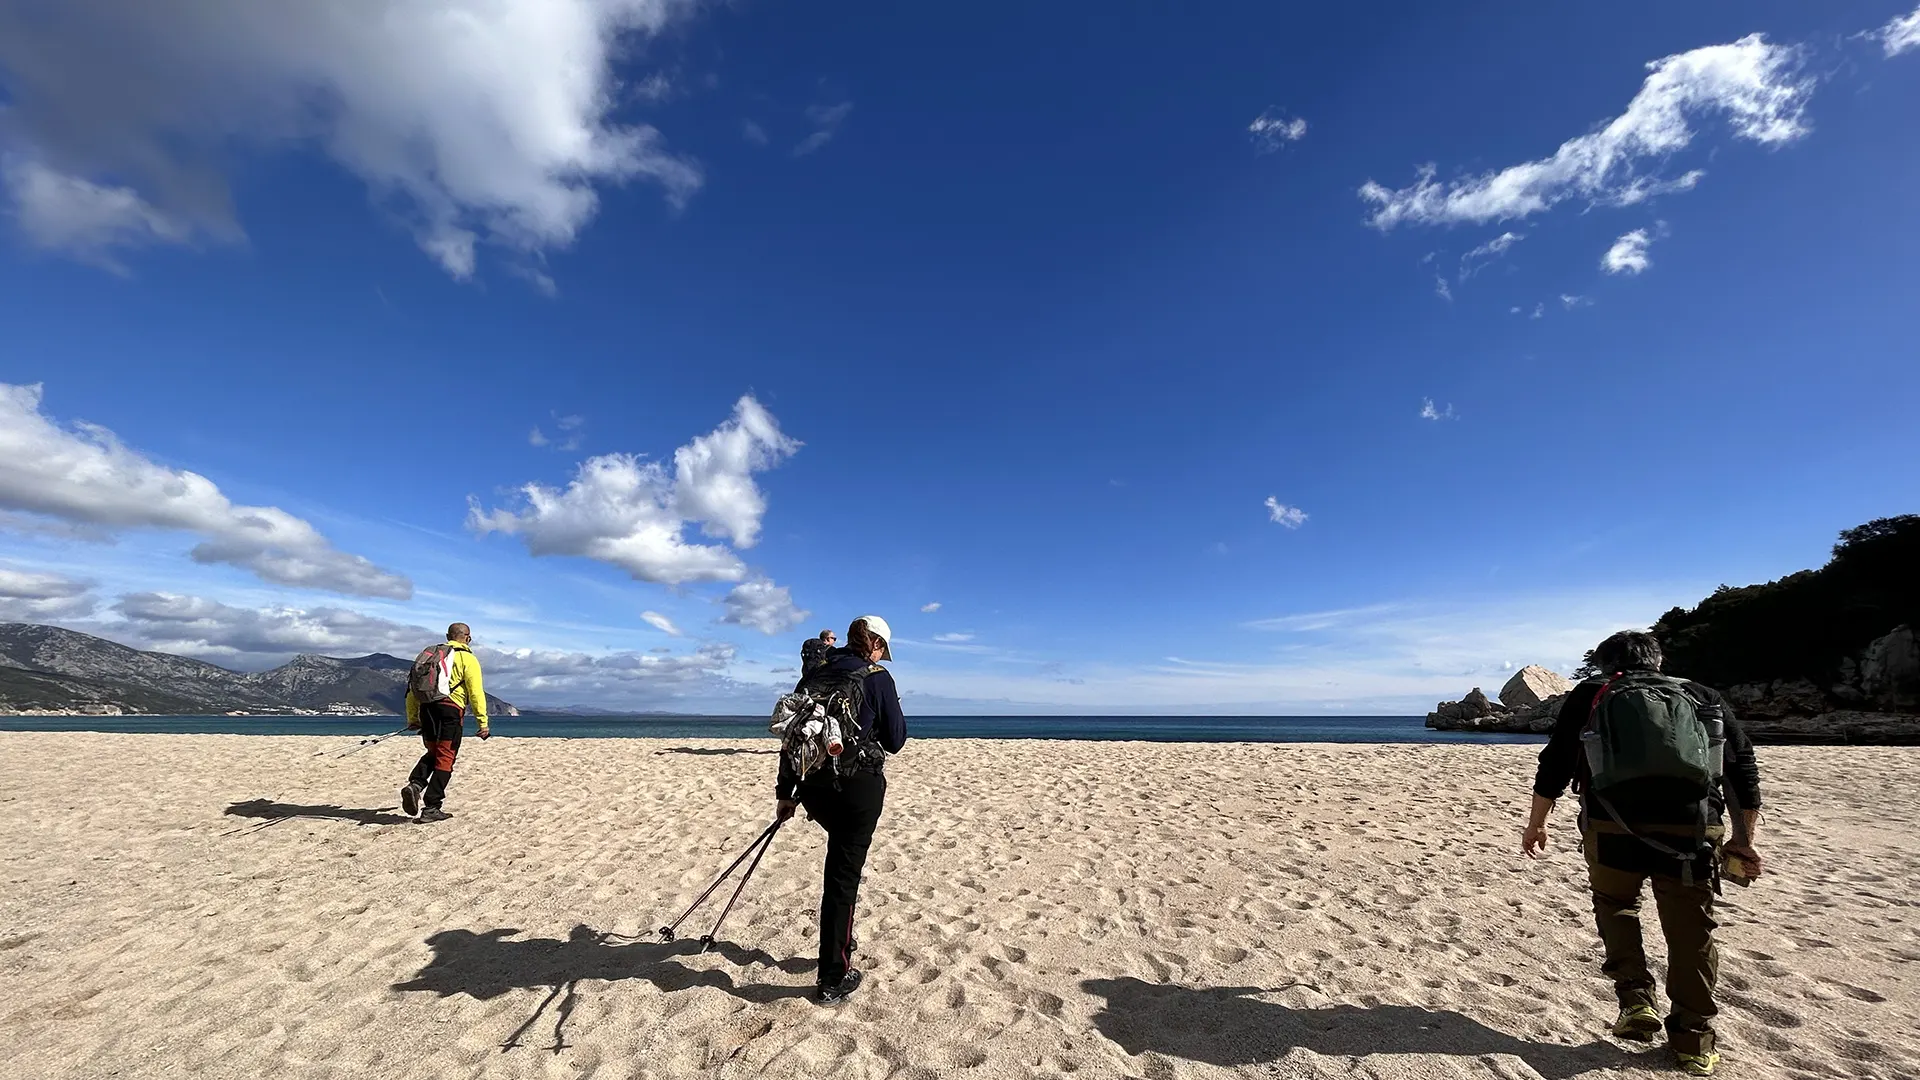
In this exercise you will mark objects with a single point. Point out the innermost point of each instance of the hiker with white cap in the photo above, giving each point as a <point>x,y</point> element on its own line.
<point>845,798</point>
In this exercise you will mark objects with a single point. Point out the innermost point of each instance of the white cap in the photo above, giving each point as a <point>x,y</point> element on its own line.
<point>878,626</point>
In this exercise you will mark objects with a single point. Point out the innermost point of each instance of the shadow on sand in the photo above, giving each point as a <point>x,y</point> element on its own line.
<point>487,965</point>
<point>271,812</point>
<point>1229,1027</point>
<point>711,751</point>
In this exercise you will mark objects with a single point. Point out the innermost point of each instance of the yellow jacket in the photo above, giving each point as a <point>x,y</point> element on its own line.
<point>466,691</point>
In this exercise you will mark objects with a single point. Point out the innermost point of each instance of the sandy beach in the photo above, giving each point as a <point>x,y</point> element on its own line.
<point>244,906</point>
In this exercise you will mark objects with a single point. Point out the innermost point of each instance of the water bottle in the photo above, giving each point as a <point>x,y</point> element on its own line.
<point>834,745</point>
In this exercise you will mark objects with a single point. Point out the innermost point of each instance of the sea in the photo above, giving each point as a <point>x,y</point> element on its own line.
<point>1265,729</point>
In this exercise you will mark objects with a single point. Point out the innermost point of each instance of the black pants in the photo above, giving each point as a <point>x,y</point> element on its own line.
<point>440,727</point>
<point>849,815</point>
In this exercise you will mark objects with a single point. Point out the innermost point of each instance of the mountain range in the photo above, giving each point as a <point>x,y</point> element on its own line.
<point>48,669</point>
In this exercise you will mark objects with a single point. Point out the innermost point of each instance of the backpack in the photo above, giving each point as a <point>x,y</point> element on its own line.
<point>431,678</point>
<point>813,653</point>
<point>1645,730</point>
<point>819,723</point>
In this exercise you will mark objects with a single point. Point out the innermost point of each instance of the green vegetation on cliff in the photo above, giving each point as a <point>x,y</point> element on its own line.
<point>1808,625</point>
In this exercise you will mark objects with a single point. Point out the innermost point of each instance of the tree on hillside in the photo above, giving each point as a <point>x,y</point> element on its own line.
<point>1804,624</point>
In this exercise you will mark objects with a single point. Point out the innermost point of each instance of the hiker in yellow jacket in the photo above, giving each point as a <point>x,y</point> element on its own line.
<point>443,685</point>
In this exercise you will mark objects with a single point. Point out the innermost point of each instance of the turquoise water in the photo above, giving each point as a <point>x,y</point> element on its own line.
<point>1345,729</point>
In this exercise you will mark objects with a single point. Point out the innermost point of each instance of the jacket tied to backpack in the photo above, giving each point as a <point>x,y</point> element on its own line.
<point>819,725</point>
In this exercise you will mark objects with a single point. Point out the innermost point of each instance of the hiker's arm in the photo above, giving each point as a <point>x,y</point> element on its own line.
<point>413,712</point>
<point>1561,756</point>
<point>892,723</point>
<point>476,693</point>
<point>787,784</point>
<point>1743,768</point>
<point>1533,839</point>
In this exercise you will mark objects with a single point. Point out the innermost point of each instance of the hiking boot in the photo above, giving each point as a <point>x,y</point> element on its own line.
<point>410,800</point>
<point>434,813</point>
<point>1639,1023</point>
<point>1698,1064</point>
<point>840,991</point>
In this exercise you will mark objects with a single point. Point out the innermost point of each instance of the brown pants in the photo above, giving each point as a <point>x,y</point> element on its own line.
<point>1686,920</point>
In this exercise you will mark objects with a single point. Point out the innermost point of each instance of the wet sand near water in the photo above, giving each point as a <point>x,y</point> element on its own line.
<point>236,906</point>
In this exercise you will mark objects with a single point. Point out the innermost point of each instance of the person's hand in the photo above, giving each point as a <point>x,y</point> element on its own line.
<point>783,810</point>
<point>1750,859</point>
<point>486,732</point>
<point>1533,841</point>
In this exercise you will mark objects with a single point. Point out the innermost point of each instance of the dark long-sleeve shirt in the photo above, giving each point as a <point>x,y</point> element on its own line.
<point>1563,760</point>
<point>880,712</point>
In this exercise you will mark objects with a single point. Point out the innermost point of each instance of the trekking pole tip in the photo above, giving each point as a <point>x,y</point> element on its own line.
<point>706,942</point>
<point>666,933</point>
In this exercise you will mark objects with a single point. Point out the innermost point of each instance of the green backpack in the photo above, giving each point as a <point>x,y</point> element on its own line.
<point>1645,727</point>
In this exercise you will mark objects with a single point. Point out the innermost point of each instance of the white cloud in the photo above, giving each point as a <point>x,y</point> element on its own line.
<point>619,679</point>
<point>222,633</point>
<point>1570,301</point>
<point>571,429</point>
<point>632,514</point>
<point>953,639</point>
<point>1428,411</point>
<point>1441,289</point>
<point>1539,311</point>
<point>759,604</point>
<point>1756,84</point>
<point>1280,513</point>
<point>659,622</point>
<point>1381,659</point>
<point>1273,129</point>
<point>656,88</point>
<point>753,133</point>
<point>477,121</point>
<point>86,477</point>
<point>1628,255</point>
<point>1473,261</point>
<point>928,609</point>
<point>85,220</point>
<point>1902,34</point>
<point>255,638</point>
<point>28,596</point>
<point>826,120</point>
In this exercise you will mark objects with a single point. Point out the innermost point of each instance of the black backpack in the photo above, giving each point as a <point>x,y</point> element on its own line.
<point>829,692</point>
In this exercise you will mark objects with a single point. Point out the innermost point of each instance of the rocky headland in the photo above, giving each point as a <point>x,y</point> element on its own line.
<point>1821,656</point>
<point>50,671</point>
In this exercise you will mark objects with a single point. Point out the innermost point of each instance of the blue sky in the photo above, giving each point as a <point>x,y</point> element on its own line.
<point>1024,311</point>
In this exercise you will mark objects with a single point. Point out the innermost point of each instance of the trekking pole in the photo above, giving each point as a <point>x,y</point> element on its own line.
<point>707,942</point>
<point>666,932</point>
<point>363,744</point>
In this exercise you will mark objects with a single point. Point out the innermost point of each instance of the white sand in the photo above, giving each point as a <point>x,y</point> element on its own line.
<point>1031,909</point>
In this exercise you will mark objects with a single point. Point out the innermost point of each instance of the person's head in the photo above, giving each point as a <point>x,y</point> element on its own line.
<point>1628,650</point>
<point>868,636</point>
<point>461,633</point>
<point>826,636</point>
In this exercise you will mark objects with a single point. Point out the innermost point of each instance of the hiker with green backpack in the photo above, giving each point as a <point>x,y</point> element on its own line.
<point>1659,762</point>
